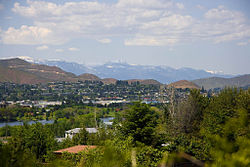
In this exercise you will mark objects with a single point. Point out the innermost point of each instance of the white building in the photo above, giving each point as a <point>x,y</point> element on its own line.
<point>73,132</point>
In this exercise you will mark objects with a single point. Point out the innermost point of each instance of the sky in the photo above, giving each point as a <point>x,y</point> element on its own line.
<point>212,35</point>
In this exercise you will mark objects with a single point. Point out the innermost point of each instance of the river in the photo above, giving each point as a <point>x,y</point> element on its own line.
<point>2,124</point>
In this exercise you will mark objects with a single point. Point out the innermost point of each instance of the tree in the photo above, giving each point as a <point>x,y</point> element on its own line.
<point>140,122</point>
<point>219,110</point>
<point>81,138</point>
<point>190,112</point>
<point>37,140</point>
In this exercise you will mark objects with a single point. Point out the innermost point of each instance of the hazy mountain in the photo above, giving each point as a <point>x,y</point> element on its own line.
<point>19,71</point>
<point>124,71</point>
<point>216,82</point>
<point>72,67</point>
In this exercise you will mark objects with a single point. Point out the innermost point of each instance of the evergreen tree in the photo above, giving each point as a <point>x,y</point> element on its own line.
<point>140,122</point>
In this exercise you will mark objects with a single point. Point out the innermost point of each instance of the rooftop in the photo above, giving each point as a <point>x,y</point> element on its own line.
<point>77,130</point>
<point>91,130</point>
<point>75,149</point>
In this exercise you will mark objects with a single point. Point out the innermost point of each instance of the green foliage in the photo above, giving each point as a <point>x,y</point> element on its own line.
<point>194,146</point>
<point>232,148</point>
<point>115,153</point>
<point>60,163</point>
<point>220,109</point>
<point>215,130</point>
<point>140,122</point>
<point>81,138</point>
<point>231,140</point>
<point>190,113</point>
<point>15,113</point>
<point>35,139</point>
<point>148,156</point>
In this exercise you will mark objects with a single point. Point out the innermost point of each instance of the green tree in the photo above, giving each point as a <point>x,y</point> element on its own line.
<point>81,138</point>
<point>191,112</point>
<point>139,122</point>
<point>36,139</point>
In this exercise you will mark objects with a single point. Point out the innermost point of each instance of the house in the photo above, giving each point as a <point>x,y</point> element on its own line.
<point>91,130</point>
<point>108,124</point>
<point>75,149</point>
<point>73,132</point>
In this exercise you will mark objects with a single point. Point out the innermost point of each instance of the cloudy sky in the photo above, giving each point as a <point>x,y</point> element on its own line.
<point>202,34</point>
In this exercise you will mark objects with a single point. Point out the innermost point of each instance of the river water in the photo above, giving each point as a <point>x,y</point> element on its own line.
<point>2,124</point>
<point>28,122</point>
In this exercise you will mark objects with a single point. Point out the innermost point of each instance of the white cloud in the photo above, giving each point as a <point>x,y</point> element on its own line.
<point>242,43</point>
<point>223,25</point>
<point>29,35</point>
<point>200,7</point>
<point>59,50</point>
<point>141,40</point>
<point>180,5</point>
<point>222,13</point>
<point>73,49</point>
<point>43,47</point>
<point>145,3</point>
<point>105,40</point>
<point>140,22</point>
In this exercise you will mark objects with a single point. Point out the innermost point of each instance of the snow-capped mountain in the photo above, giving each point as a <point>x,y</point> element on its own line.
<point>125,71</point>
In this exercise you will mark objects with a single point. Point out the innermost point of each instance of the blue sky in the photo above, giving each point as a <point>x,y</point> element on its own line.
<point>212,35</point>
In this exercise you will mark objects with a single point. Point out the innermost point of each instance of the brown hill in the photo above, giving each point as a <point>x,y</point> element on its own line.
<point>109,80</point>
<point>216,82</point>
<point>20,71</point>
<point>144,81</point>
<point>15,76</point>
<point>183,84</point>
<point>88,77</point>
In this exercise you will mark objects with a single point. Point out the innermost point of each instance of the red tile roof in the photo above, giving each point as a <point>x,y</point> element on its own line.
<point>75,149</point>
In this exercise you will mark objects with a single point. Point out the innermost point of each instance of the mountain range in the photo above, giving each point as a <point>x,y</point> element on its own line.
<point>125,71</point>
<point>216,82</point>
<point>20,71</point>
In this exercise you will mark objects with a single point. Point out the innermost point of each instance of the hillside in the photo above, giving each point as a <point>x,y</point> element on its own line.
<point>109,80</point>
<point>15,76</point>
<point>20,71</point>
<point>88,77</point>
<point>144,81</point>
<point>216,82</point>
<point>183,84</point>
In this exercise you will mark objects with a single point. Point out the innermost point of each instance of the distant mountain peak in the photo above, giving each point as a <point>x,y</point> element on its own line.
<point>215,72</point>
<point>218,82</point>
<point>26,58</point>
<point>125,71</point>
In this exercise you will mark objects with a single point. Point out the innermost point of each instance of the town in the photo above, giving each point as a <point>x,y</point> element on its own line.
<point>87,92</point>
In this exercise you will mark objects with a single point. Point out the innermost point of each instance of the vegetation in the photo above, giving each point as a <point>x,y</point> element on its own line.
<point>214,130</point>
